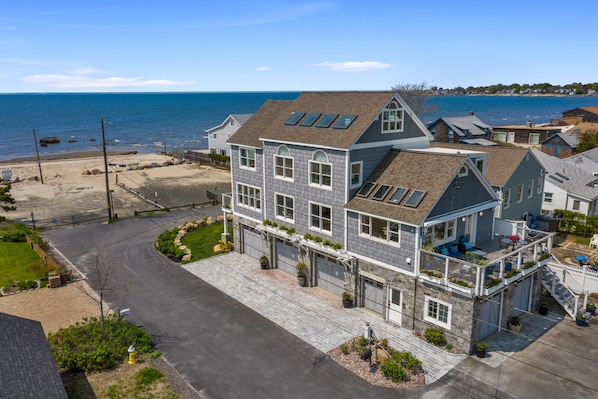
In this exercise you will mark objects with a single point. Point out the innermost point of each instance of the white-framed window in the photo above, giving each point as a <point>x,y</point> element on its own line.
<point>480,165</point>
<point>247,158</point>
<point>441,233</point>
<point>576,204</point>
<point>283,163</point>
<point>213,150</point>
<point>285,208</point>
<point>500,136</point>
<point>539,185</point>
<point>232,122</point>
<point>380,229</point>
<point>320,170</point>
<point>534,138</point>
<point>520,193</point>
<point>530,188</point>
<point>223,152</point>
<point>506,201</point>
<point>320,217</point>
<point>356,174</point>
<point>548,198</point>
<point>392,118</point>
<point>437,312</point>
<point>249,196</point>
<point>214,136</point>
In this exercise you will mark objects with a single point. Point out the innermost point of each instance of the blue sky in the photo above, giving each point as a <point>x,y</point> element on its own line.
<point>138,46</point>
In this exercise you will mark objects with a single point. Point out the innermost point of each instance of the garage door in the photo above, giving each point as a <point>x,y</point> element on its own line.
<point>286,256</point>
<point>489,314</point>
<point>330,274</point>
<point>252,242</point>
<point>372,294</point>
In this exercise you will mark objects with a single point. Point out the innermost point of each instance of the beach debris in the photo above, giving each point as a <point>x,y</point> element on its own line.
<point>44,141</point>
<point>96,171</point>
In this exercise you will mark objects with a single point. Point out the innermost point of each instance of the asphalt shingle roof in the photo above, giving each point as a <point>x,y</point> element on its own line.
<point>470,123</point>
<point>249,134</point>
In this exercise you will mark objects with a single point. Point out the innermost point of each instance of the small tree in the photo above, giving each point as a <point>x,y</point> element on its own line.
<point>6,199</point>
<point>415,95</point>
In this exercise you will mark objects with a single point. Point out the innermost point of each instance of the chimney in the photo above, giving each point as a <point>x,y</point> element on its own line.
<point>528,124</point>
<point>470,113</point>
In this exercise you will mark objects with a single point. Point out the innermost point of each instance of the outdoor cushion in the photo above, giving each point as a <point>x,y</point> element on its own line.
<point>445,251</point>
<point>467,245</point>
<point>454,249</point>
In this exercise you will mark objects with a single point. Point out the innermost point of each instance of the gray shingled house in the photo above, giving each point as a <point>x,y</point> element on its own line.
<point>347,184</point>
<point>461,129</point>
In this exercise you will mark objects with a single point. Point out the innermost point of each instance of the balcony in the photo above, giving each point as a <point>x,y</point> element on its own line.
<point>492,265</point>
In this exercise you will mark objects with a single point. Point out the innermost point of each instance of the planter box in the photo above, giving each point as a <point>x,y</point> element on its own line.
<point>493,289</point>
<point>530,270</point>
<point>460,288</point>
<point>511,279</point>
<point>435,280</point>
<point>544,262</point>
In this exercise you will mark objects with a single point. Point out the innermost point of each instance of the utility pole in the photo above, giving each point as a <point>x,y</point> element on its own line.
<point>108,202</point>
<point>38,162</point>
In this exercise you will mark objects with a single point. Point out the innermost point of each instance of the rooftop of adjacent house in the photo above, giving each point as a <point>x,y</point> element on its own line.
<point>502,162</point>
<point>593,109</point>
<point>27,367</point>
<point>328,119</point>
<point>470,123</point>
<point>582,127</point>
<point>590,154</point>
<point>240,118</point>
<point>571,139</point>
<point>568,177</point>
<point>530,127</point>
<point>408,183</point>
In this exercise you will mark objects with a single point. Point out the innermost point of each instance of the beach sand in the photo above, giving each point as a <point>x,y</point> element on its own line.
<point>68,190</point>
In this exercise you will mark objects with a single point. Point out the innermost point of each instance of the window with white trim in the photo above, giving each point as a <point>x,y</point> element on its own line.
<point>285,208</point>
<point>539,185</point>
<point>530,188</point>
<point>283,163</point>
<point>576,204</point>
<point>392,118</point>
<point>548,198</point>
<point>356,174</point>
<point>379,229</point>
<point>500,136</point>
<point>441,233</point>
<point>320,170</point>
<point>247,158</point>
<point>249,196</point>
<point>437,312</point>
<point>534,138</point>
<point>520,193</point>
<point>320,217</point>
<point>506,201</point>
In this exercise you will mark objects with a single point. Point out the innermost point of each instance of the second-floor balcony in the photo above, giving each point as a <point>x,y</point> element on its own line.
<point>489,266</point>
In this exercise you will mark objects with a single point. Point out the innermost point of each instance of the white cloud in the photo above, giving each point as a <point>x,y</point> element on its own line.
<point>86,71</point>
<point>263,68</point>
<point>81,81</point>
<point>353,66</point>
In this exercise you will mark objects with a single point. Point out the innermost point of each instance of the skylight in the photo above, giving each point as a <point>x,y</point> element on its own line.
<point>326,120</point>
<point>344,121</point>
<point>398,195</point>
<point>381,192</point>
<point>294,118</point>
<point>309,119</point>
<point>415,198</point>
<point>365,190</point>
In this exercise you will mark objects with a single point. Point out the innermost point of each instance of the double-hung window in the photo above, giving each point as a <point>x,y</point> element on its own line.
<point>530,188</point>
<point>520,193</point>
<point>392,118</point>
<point>249,196</point>
<point>437,312</point>
<point>283,163</point>
<point>356,174</point>
<point>534,138</point>
<point>320,217</point>
<point>506,201</point>
<point>320,170</point>
<point>539,185</point>
<point>285,208</point>
<point>247,158</point>
<point>548,198</point>
<point>380,229</point>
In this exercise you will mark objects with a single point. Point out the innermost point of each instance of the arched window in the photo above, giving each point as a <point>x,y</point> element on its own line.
<point>283,163</point>
<point>392,118</point>
<point>320,170</point>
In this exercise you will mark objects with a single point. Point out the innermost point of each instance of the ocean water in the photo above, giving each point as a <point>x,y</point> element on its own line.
<point>150,122</point>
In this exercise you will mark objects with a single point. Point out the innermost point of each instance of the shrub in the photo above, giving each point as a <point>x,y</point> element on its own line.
<point>392,370</point>
<point>344,349</point>
<point>25,285</point>
<point>337,246</point>
<point>165,244</point>
<point>434,336</point>
<point>14,235</point>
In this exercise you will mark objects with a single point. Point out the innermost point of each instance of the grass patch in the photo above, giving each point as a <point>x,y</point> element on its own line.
<point>202,240</point>
<point>15,261</point>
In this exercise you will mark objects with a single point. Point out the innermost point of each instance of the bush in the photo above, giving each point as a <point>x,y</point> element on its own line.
<point>86,346</point>
<point>14,235</point>
<point>165,244</point>
<point>344,349</point>
<point>395,367</point>
<point>434,336</point>
<point>25,285</point>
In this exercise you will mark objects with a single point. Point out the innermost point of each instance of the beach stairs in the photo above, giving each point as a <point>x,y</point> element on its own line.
<point>568,300</point>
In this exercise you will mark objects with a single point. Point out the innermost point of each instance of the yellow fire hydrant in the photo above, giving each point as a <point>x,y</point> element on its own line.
<point>132,354</point>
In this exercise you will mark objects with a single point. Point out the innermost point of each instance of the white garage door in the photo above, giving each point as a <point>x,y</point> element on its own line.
<point>252,242</point>
<point>286,256</point>
<point>372,294</point>
<point>330,274</point>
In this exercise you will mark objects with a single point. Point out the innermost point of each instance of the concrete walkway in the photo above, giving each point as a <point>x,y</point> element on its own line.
<point>312,314</point>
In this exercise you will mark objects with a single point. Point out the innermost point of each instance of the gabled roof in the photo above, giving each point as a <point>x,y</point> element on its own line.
<point>365,106</point>
<point>590,154</point>
<point>568,177</point>
<point>582,127</point>
<point>27,368</point>
<point>592,110</point>
<point>239,118</point>
<point>466,124</point>
<point>427,172</point>
<point>502,162</point>
<point>249,134</point>
<point>571,139</point>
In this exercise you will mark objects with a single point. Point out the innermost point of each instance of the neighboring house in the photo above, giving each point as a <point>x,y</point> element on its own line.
<point>27,369</point>
<point>528,135</point>
<point>218,135</point>
<point>583,114</point>
<point>567,187</point>
<point>347,184</point>
<point>516,176</point>
<point>462,129</point>
<point>586,161</point>
<point>560,145</point>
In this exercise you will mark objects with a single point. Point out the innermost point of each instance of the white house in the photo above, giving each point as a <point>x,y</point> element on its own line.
<point>218,135</point>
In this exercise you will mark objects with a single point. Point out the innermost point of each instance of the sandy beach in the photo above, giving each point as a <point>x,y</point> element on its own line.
<point>70,186</point>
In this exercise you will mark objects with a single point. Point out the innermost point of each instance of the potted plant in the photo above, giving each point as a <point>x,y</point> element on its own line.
<point>580,320</point>
<point>347,301</point>
<point>264,262</point>
<point>543,309</point>
<point>515,325</point>
<point>301,273</point>
<point>591,308</point>
<point>480,349</point>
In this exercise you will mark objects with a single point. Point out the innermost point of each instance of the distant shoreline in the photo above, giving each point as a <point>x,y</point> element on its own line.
<point>64,156</point>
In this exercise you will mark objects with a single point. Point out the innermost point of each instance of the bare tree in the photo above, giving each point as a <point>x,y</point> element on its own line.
<point>415,95</point>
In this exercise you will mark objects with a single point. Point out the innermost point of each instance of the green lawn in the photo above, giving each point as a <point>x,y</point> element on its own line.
<point>202,240</point>
<point>15,259</point>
